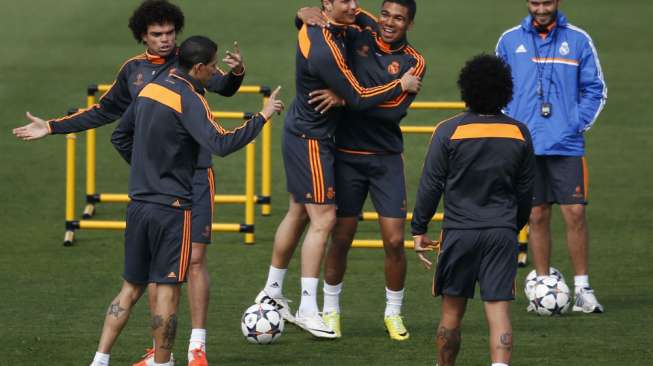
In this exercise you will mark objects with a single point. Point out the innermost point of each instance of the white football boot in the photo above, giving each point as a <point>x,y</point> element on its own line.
<point>586,301</point>
<point>279,303</point>
<point>315,325</point>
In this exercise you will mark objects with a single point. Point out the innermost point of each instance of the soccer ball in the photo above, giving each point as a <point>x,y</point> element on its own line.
<point>551,296</point>
<point>261,324</point>
<point>531,279</point>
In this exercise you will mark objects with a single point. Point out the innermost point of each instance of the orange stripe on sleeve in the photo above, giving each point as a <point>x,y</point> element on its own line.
<point>342,66</point>
<point>487,130</point>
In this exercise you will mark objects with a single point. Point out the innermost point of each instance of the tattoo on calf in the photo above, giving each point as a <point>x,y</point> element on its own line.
<point>448,345</point>
<point>115,309</point>
<point>505,341</point>
<point>170,332</point>
<point>157,322</point>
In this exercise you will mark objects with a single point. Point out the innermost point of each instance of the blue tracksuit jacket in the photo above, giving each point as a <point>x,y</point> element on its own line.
<point>572,82</point>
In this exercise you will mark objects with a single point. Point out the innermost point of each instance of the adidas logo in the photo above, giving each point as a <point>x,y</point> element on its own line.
<point>172,275</point>
<point>274,285</point>
<point>520,49</point>
<point>176,203</point>
<point>305,293</point>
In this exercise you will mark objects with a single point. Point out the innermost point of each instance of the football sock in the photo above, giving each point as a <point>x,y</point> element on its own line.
<point>332,298</point>
<point>308,305</point>
<point>393,300</point>
<point>499,364</point>
<point>274,285</point>
<point>581,281</point>
<point>101,359</point>
<point>197,341</point>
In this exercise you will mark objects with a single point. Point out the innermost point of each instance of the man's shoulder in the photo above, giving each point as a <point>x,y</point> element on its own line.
<point>133,61</point>
<point>512,33</point>
<point>447,126</point>
<point>577,32</point>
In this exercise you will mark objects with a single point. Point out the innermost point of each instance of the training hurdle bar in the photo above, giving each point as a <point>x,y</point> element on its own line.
<point>264,199</point>
<point>438,217</point>
<point>248,199</point>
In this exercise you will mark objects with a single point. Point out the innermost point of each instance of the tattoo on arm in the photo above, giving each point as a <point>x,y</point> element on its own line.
<point>115,309</point>
<point>448,341</point>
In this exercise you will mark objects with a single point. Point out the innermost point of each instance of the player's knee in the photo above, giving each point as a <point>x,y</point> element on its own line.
<point>539,216</point>
<point>394,246</point>
<point>323,223</point>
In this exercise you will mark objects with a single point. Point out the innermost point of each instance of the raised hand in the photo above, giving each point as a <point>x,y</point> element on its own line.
<point>36,129</point>
<point>234,60</point>
<point>312,16</point>
<point>273,104</point>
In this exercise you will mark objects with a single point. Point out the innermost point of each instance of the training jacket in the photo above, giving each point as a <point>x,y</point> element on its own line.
<point>576,90</point>
<point>321,64</point>
<point>160,136</point>
<point>134,74</point>
<point>374,62</point>
<point>484,166</point>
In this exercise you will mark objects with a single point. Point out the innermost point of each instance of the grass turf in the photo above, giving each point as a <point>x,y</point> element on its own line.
<point>54,298</point>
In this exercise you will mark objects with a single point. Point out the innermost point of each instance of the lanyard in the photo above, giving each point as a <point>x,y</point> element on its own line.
<point>541,69</point>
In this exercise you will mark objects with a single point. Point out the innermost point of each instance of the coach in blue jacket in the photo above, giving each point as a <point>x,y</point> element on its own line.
<point>559,93</point>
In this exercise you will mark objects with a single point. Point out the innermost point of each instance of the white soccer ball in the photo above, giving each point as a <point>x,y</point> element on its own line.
<point>261,324</point>
<point>531,280</point>
<point>551,296</point>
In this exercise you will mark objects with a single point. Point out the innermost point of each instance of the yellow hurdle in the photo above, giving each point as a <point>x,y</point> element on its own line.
<point>249,199</point>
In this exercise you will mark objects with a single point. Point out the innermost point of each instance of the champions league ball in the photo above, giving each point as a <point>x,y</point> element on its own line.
<point>261,324</point>
<point>531,279</point>
<point>551,296</point>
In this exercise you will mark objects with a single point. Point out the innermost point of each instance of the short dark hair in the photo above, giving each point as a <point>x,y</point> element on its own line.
<point>485,84</point>
<point>410,4</point>
<point>196,50</point>
<point>155,12</point>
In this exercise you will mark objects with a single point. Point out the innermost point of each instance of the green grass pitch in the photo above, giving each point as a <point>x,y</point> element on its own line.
<point>52,299</point>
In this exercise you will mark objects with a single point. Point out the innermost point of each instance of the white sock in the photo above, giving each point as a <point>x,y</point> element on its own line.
<point>308,305</point>
<point>581,281</point>
<point>101,359</point>
<point>274,285</point>
<point>393,300</point>
<point>197,341</point>
<point>331,298</point>
<point>169,363</point>
<point>499,364</point>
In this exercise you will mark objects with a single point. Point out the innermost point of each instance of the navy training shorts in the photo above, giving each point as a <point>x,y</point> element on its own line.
<point>488,256</point>
<point>157,243</point>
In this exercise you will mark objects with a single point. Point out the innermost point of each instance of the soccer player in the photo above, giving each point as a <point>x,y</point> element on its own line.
<point>368,157</point>
<point>560,93</point>
<point>160,135</point>
<point>483,163</point>
<point>156,24</point>
<point>308,151</point>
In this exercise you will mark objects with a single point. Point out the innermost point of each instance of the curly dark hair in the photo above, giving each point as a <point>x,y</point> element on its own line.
<point>155,12</point>
<point>485,84</point>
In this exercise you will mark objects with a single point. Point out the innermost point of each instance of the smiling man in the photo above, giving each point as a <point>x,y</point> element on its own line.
<point>369,146</point>
<point>559,94</point>
<point>308,152</point>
